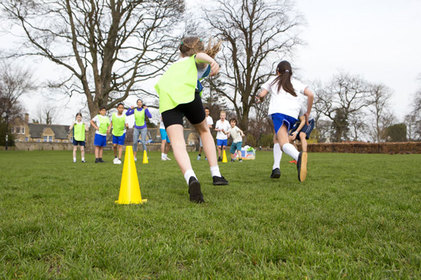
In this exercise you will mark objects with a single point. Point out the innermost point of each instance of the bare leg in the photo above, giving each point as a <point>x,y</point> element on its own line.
<point>163,142</point>
<point>303,141</point>
<point>120,151</point>
<point>282,135</point>
<point>74,151</point>
<point>101,149</point>
<point>115,150</point>
<point>219,151</point>
<point>176,135</point>
<point>82,152</point>
<point>208,143</point>
<point>96,152</point>
<point>167,147</point>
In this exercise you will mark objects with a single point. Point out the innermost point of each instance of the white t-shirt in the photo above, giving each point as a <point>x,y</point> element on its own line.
<point>303,108</point>
<point>96,121</point>
<point>235,134</point>
<point>282,101</point>
<point>222,125</point>
<point>209,120</point>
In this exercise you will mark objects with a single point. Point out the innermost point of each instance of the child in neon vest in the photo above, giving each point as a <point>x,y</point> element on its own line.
<point>119,125</point>
<point>100,122</point>
<point>179,92</point>
<point>139,125</point>
<point>79,129</point>
<point>284,108</point>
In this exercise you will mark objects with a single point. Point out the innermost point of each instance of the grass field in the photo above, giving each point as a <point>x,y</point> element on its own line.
<point>356,217</point>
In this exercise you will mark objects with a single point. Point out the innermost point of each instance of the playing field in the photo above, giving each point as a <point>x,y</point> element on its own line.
<point>356,217</point>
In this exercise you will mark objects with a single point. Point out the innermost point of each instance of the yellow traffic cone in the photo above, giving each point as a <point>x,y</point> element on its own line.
<point>129,188</point>
<point>145,157</point>
<point>224,157</point>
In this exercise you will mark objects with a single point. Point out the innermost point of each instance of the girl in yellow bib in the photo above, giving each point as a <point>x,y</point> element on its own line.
<point>119,125</point>
<point>79,128</point>
<point>179,91</point>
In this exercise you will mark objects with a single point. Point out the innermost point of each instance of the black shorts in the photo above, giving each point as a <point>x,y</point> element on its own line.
<point>193,111</point>
<point>307,129</point>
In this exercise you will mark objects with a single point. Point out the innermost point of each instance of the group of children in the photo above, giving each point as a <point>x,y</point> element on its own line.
<point>180,90</point>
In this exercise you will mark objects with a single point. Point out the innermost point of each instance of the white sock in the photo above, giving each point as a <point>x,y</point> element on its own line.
<point>83,158</point>
<point>74,159</point>
<point>277,156</point>
<point>188,174</point>
<point>290,150</point>
<point>165,155</point>
<point>162,155</point>
<point>215,171</point>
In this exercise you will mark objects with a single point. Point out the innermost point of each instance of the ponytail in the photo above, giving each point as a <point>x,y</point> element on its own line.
<point>193,45</point>
<point>283,80</point>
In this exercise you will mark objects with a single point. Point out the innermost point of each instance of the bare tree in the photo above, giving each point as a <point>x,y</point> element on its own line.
<point>47,114</point>
<point>254,31</point>
<point>14,82</point>
<point>108,46</point>
<point>379,98</point>
<point>413,119</point>
<point>344,97</point>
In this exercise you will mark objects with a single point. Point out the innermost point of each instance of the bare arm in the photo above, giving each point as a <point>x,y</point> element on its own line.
<point>302,123</point>
<point>94,125</point>
<point>261,95</point>
<point>71,127</point>
<point>202,58</point>
<point>310,98</point>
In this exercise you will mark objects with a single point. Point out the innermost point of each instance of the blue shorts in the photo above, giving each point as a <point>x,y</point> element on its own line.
<point>220,142</point>
<point>100,140</point>
<point>235,147</point>
<point>119,140</point>
<point>281,119</point>
<point>307,129</point>
<point>164,135</point>
<point>78,143</point>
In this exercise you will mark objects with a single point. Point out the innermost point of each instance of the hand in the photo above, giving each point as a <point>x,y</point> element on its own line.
<point>145,107</point>
<point>258,99</point>
<point>214,68</point>
<point>294,134</point>
<point>306,116</point>
<point>108,131</point>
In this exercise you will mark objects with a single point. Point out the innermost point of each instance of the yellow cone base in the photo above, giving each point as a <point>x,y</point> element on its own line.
<point>145,157</point>
<point>129,187</point>
<point>224,157</point>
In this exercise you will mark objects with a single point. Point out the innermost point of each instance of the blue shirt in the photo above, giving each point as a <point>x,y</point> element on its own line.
<point>131,112</point>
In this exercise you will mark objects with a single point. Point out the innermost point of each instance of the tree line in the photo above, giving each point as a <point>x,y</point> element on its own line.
<point>109,48</point>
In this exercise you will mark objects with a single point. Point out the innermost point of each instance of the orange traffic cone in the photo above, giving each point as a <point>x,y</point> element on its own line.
<point>145,157</point>
<point>224,157</point>
<point>129,187</point>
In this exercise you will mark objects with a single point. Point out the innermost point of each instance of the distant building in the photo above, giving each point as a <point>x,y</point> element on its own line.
<point>23,131</point>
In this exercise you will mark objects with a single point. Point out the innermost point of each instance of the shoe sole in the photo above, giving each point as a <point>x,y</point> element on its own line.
<point>220,183</point>
<point>195,192</point>
<point>275,176</point>
<point>303,167</point>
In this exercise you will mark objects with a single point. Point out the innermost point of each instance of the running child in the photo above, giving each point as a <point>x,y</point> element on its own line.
<point>79,129</point>
<point>119,125</point>
<point>179,92</point>
<point>165,141</point>
<point>237,140</point>
<point>284,108</point>
<point>222,126</point>
<point>100,122</point>
<point>209,121</point>
<point>301,130</point>
<point>139,127</point>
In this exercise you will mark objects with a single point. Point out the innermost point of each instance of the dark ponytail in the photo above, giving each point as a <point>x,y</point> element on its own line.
<point>284,79</point>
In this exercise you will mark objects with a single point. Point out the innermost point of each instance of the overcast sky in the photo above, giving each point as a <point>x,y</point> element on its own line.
<point>379,40</point>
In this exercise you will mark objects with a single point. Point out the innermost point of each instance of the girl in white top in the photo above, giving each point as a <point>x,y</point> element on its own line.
<point>284,108</point>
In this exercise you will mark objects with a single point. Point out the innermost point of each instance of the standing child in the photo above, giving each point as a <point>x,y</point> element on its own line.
<point>209,121</point>
<point>179,92</point>
<point>79,137</point>
<point>165,141</point>
<point>100,122</point>
<point>284,108</point>
<point>222,126</point>
<point>119,125</point>
<point>237,139</point>
<point>140,112</point>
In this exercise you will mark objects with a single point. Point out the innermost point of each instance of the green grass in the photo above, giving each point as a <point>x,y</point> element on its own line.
<point>356,217</point>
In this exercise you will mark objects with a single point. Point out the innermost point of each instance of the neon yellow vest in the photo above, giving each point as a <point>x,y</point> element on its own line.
<point>139,117</point>
<point>79,131</point>
<point>119,124</point>
<point>104,122</point>
<point>177,85</point>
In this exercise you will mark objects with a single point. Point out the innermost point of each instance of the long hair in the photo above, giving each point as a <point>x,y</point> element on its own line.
<point>284,79</point>
<point>192,45</point>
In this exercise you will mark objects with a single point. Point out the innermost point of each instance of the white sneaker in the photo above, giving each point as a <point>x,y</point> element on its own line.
<point>115,160</point>
<point>74,160</point>
<point>167,158</point>
<point>163,158</point>
<point>198,157</point>
<point>118,161</point>
<point>135,159</point>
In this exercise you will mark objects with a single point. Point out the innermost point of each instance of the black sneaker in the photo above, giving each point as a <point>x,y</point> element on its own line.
<point>232,160</point>
<point>276,173</point>
<point>100,160</point>
<point>302,166</point>
<point>84,161</point>
<point>219,180</point>
<point>195,191</point>
<point>97,160</point>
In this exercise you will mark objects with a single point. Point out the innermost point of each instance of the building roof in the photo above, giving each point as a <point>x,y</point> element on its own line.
<point>60,131</point>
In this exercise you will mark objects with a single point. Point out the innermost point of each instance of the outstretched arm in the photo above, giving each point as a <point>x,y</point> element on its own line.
<point>261,95</point>
<point>310,98</point>
<point>202,58</point>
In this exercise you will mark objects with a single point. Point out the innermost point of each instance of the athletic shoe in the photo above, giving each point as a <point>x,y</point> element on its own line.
<point>83,160</point>
<point>240,160</point>
<point>276,173</point>
<point>118,161</point>
<point>195,191</point>
<point>167,158</point>
<point>198,157</point>
<point>100,160</point>
<point>302,166</point>
<point>97,160</point>
<point>163,158</point>
<point>74,160</point>
<point>135,159</point>
<point>293,161</point>
<point>115,160</point>
<point>219,181</point>
<point>232,160</point>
